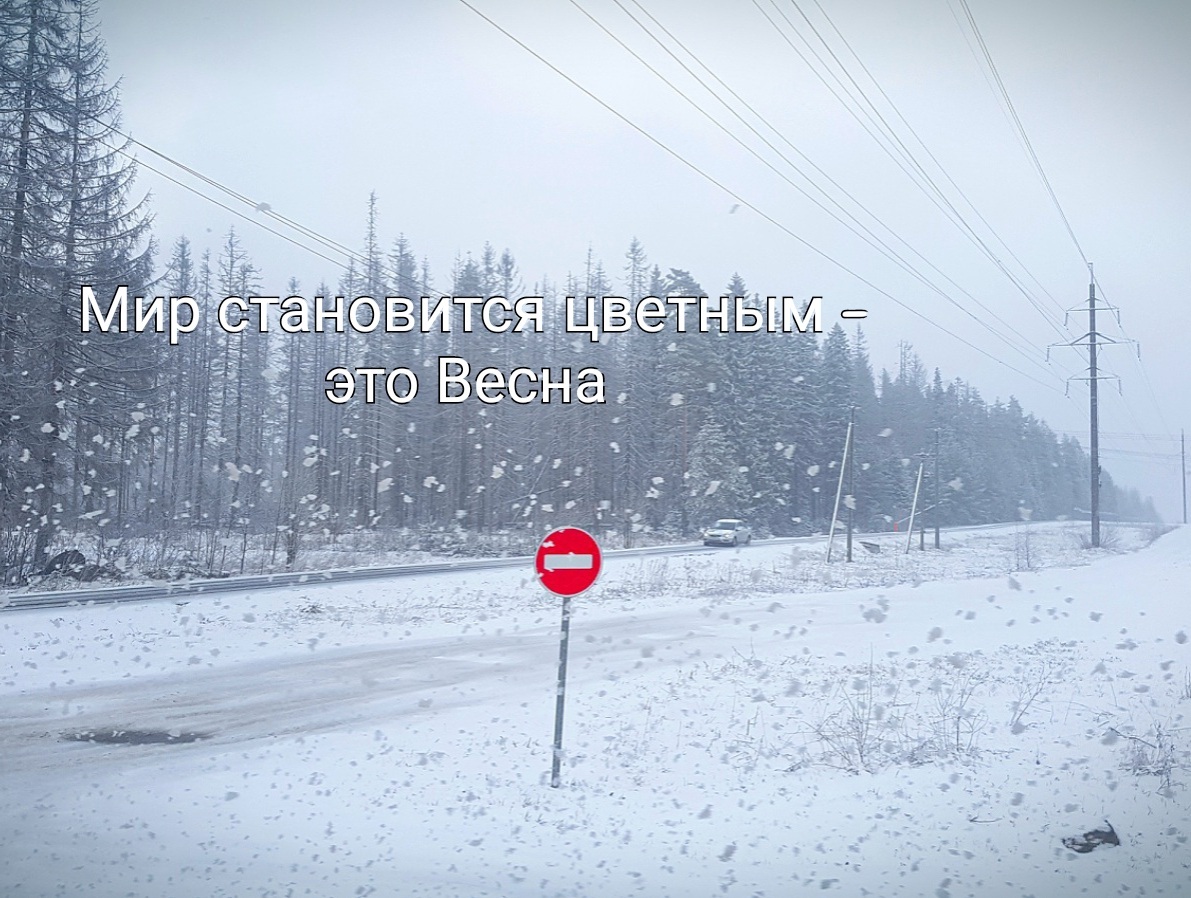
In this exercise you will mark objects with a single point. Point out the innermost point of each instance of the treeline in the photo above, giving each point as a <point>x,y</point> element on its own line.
<point>227,437</point>
<point>71,410</point>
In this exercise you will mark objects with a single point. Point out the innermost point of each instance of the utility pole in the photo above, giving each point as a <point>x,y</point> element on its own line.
<point>1093,339</point>
<point>938,496</point>
<point>913,510</point>
<point>850,461</point>
<point>920,520</point>
<point>839,491</point>
<point>1183,454</point>
<point>1094,409</point>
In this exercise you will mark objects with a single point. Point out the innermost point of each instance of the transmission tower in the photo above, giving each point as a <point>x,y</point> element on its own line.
<point>1093,340</point>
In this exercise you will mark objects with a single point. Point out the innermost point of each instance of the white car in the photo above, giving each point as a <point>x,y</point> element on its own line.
<point>727,532</point>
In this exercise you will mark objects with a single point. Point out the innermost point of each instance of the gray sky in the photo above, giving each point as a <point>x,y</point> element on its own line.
<point>468,138</point>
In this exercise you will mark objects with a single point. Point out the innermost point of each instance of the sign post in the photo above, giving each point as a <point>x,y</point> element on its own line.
<point>567,562</point>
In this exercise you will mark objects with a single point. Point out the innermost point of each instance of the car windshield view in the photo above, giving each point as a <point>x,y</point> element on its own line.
<point>725,525</point>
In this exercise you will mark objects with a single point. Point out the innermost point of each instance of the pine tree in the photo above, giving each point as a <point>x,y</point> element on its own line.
<point>634,425</point>
<point>65,191</point>
<point>375,420</point>
<point>178,381</point>
<point>753,409</point>
<point>837,390</point>
<point>680,395</point>
<point>714,485</point>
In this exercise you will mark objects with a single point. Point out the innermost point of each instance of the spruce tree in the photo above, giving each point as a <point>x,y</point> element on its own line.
<point>715,486</point>
<point>79,410</point>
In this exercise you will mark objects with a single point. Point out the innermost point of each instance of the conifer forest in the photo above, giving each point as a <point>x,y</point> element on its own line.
<point>223,454</point>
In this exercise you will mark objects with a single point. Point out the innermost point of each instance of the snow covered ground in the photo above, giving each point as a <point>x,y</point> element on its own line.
<point>738,723</point>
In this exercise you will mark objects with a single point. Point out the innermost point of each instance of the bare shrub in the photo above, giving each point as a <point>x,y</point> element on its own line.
<point>1153,754</point>
<point>882,716</point>
<point>1030,683</point>
<point>1154,532</point>
<point>954,721</point>
<point>1110,539</point>
<point>854,725</point>
<point>655,574</point>
<point>1023,548</point>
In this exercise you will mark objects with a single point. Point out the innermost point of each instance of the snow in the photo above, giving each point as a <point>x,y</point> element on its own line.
<point>742,722</point>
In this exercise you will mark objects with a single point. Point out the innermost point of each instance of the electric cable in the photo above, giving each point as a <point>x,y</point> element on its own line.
<point>871,238</point>
<point>1021,130</point>
<point>903,158</point>
<point>740,199</point>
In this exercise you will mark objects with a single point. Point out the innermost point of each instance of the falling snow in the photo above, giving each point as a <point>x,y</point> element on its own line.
<point>396,734</point>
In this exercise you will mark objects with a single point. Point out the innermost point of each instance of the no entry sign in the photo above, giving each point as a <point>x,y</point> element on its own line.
<point>568,561</point>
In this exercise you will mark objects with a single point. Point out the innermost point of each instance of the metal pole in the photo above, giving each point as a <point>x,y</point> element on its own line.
<point>838,492</point>
<point>1183,448</point>
<point>938,498</point>
<point>562,691</point>
<point>850,461</point>
<point>913,509</point>
<point>1095,422</point>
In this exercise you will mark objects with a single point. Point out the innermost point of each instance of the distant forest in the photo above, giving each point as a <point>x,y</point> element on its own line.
<point>226,439</point>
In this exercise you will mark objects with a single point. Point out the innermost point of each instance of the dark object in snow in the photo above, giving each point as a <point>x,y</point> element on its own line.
<point>1092,839</point>
<point>186,570</point>
<point>69,562</point>
<point>72,563</point>
<point>88,573</point>
<point>872,547</point>
<point>111,736</point>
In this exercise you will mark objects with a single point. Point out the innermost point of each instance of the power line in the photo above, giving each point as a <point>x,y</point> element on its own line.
<point>740,199</point>
<point>868,236</point>
<point>888,138</point>
<point>1024,138</point>
<point>1123,435</point>
<point>261,208</point>
<point>1173,455</point>
<point>1021,130</point>
<point>221,205</point>
<point>928,152</point>
<point>1144,372</point>
<point>809,161</point>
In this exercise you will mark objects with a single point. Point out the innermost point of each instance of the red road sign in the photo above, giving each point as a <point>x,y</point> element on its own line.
<point>568,561</point>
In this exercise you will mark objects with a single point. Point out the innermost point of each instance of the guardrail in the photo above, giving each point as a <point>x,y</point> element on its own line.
<point>185,589</point>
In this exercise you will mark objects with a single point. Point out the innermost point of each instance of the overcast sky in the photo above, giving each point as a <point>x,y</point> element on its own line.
<point>467,137</point>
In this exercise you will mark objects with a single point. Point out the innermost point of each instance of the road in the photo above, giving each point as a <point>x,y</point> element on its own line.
<point>191,588</point>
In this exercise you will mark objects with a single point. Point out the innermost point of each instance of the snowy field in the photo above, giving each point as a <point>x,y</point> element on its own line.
<point>738,723</point>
